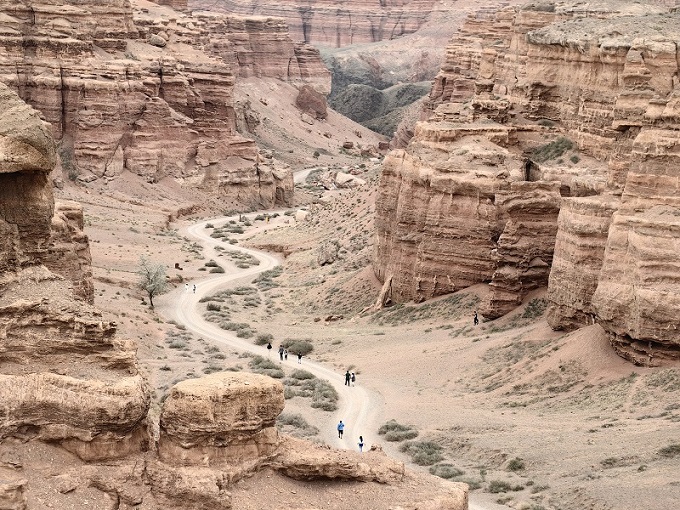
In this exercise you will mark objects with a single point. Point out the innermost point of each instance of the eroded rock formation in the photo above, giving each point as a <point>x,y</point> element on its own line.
<point>150,90</point>
<point>581,101</point>
<point>326,24</point>
<point>65,377</point>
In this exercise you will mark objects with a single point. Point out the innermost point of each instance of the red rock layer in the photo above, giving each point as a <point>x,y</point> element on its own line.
<point>325,23</point>
<point>599,74</point>
<point>153,95</point>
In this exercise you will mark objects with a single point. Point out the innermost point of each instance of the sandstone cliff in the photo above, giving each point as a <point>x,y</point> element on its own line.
<point>580,100</point>
<point>150,90</point>
<point>65,377</point>
<point>325,24</point>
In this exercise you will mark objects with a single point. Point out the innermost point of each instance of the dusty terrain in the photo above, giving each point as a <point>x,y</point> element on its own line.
<point>559,416</point>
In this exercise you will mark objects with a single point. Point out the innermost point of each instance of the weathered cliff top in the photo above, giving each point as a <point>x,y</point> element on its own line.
<point>625,31</point>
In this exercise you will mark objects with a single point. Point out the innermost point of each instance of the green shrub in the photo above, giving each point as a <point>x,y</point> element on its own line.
<point>263,338</point>
<point>552,150</point>
<point>394,431</point>
<point>296,346</point>
<point>423,453</point>
<point>218,269</point>
<point>302,375</point>
<point>515,464</point>
<point>446,471</point>
<point>214,307</point>
<point>211,263</point>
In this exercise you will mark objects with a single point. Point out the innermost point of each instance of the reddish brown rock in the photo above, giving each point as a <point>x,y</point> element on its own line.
<point>583,227</point>
<point>311,102</point>
<point>222,419</point>
<point>323,23</point>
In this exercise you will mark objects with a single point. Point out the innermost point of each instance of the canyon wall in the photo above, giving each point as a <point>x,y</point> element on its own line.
<point>149,90</point>
<point>65,377</point>
<point>325,23</point>
<point>582,101</point>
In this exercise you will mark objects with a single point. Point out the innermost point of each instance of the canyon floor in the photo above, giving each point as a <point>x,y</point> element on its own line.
<point>530,418</point>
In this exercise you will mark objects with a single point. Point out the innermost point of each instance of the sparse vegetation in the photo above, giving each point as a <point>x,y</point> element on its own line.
<point>152,278</point>
<point>395,432</point>
<point>446,471</point>
<point>296,346</point>
<point>423,453</point>
<point>552,150</point>
<point>261,365</point>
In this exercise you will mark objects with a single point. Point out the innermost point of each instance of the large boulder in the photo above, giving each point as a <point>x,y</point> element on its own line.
<point>222,419</point>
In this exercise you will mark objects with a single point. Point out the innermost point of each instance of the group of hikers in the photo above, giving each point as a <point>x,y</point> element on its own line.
<point>283,352</point>
<point>341,430</point>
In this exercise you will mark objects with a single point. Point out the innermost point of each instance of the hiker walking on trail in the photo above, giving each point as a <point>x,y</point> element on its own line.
<point>194,289</point>
<point>341,428</point>
<point>299,358</point>
<point>281,353</point>
<point>354,378</point>
<point>285,354</point>
<point>348,377</point>
<point>186,287</point>
<point>476,319</point>
<point>361,444</point>
<point>269,348</point>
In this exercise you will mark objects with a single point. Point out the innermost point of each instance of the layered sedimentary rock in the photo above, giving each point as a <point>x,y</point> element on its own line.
<point>324,23</point>
<point>221,419</point>
<point>637,297</point>
<point>587,96</point>
<point>65,376</point>
<point>583,228</point>
<point>151,95</point>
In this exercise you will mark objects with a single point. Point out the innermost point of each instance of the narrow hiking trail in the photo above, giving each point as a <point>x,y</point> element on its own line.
<point>359,408</point>
<point>356,407</point>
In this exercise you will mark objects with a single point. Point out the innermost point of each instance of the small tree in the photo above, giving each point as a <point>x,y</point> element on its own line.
<point>151,278</point>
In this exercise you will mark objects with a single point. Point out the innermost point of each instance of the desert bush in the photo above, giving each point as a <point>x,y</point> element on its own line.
<point>324,396</point>
<point>263,338</point>
<point>394,431</point>
<point>446,471</point>
<point>574,158</point>
<point>214,307</point>
<point>177,344</point>
<point>423,453</point>
<point>263,366</point>
<point>552,150</point>
<point>515,464</point>
<point>301,375</point>
<point>211,263</point>
<point>301,427</point>
<point>496,486</point>
<point>535,308</point>
<point>218,269</point>
<point>296,346</point>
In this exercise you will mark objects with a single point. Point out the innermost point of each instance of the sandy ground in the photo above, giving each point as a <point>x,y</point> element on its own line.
<point>588,427</point>
<point>534,419</point>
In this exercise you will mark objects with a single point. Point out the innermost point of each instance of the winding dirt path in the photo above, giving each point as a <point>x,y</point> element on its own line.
<point>358,407</point>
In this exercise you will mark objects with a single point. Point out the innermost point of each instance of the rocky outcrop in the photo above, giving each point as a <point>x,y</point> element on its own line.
<point>583,227</point>
<point>324,24</point>
<point>12,494</point>
<point>637,293</point>
<point>119,100</point>
<point>65,377</point>
<point>221,419</point>
<point>69,251</point>
<point>302,461</point>
<point>582,99</point>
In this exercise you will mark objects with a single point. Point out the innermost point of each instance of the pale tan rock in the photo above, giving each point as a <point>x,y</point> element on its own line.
<point>221,419</point>
<point>305,461</point>
<point>455,501</point>
<point>13,494</point>
<point>69,252</point>
<point>323,23</point>
<point>583,227</point>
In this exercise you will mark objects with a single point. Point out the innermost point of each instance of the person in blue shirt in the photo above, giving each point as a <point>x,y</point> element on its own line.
<point>341,428</point>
